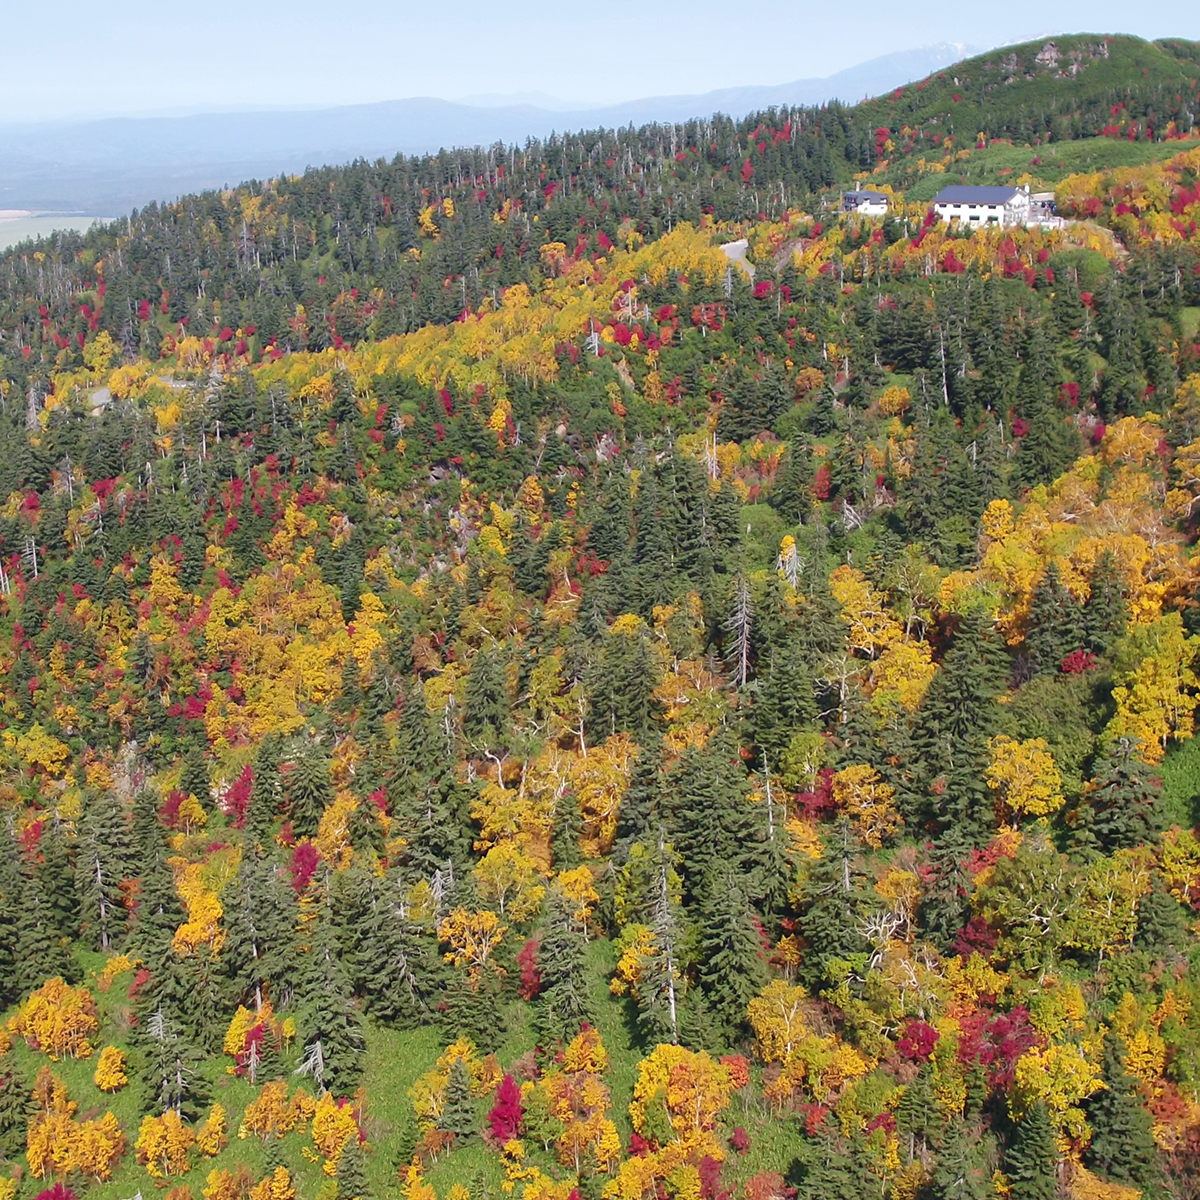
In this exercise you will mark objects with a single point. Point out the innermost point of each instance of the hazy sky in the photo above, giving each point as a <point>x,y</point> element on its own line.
<point>100,57</point>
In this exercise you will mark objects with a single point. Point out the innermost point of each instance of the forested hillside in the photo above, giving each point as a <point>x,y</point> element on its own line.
<point>503,695</point>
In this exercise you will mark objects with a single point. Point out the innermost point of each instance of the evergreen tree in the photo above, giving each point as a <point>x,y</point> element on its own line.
<point>568,829</point>
<point>963,1170</point>
<point>620,691</point>
<point>485,718</point>
<point>1162,922</point>
<point>732,964</point>
<point>661,988</point>
<point>259,910</point>
<point>1121,807</point>
<point>786,702</point>
<point>103,860</point>
<point>263,805</point>
<point>194,780</point>
<point>350,1171</point>
<point>56,880</point>
<point>330,1024</point>
<point>1122,1146</point>
<point>11,904</point>
<point>1106,612</point>
<point>309,790</point>
<point>562,1004</point>
<point>16,1108</point>
<point>713,824</point>
<point>459,1115</point>
<point>171,1074</point>
<point>640,813</point>
<point>1055,623</point>
<point>834,902</point>
<point>792,492</point>
<point>40,952</point>
<point>1031,1161</point>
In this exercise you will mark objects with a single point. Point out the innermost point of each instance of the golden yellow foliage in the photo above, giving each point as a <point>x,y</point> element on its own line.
<point>58,1020</point>
<point>110,1073</point>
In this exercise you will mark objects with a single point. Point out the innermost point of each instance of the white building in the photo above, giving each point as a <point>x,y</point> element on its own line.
<point>869,204</point>
<point>974,206</point>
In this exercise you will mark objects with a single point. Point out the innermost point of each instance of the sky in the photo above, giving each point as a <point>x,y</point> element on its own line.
<point>79,58</point>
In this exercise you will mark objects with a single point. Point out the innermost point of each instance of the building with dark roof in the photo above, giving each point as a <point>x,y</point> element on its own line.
<point>870,204</point>
<point>983,205</point>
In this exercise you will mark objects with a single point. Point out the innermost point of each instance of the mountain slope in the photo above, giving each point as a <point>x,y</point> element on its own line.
<point>110,166</point>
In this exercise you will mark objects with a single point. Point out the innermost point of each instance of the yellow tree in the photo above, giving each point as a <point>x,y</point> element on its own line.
<point>1156,699</point>
<point>110,1073</point>
<point>58,1020</point>
<point>507,877</point>
<point>473,937</point>
<point>861,794</point>
<point>1024,777</point>
<point>164,1144</point>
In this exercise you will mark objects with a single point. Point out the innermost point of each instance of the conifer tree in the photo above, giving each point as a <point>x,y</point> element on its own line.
<point>103,860</point>
<point>1162,921</point>
<point>1055,623</point>
<point>1031,1161</point>
<point>1106,611</point>
<point>661,988</point>
<point>16,1107</point>
<point>258,915</point>
<point>459,1115</point>
<point>10,908</point>
<point>56,879</point>
<point>562,1001</point>
<point>834,904</point>
<point>263,805</point>
<point>714,825</point>
<point>732,964</point>
<point>171,1074</point>
<point>962,1170</point>
<point>195,780</point>
<point>785,703</point>
<point>1121,807</point>
<point>330,1024</point>
<point>350,1171</point>
<point>792,493</point>
<point>40,952</point>
<point>309,791</point>
<point>485,718</point>
<point>1122,1146</point>
<point>640,812</point>
<point>568,828</point>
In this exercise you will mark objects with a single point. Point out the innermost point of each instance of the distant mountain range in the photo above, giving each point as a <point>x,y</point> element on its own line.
<point>108,167</point>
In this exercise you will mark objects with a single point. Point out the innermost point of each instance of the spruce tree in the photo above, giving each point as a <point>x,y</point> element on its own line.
<point>40,952</point>
<point>732,963</point>
<point>562,1003</point>
<point>309,791</point>
<point>171,1074</point>
<point>835,902</point>
<point>56,879</point>
<point>1106,612</point>
<point>640,813</point>
<point>330,1024</point>
<point>350,1171</point>
<point>1120,810</point>
<point>661,987</point>
<point>259,913</point>
<point>1055,623</point>
<point>568,828</point>
<point>16,1108</point>
<point>195,780</point>
<point>459,1115</point>
<point>1031,1161</point>
<point>263,805</point>
<point>1162,922</point>
<point>104,858</point>
<point>11,904</point>
<point>1122,1146</point>
<point>485,718</point>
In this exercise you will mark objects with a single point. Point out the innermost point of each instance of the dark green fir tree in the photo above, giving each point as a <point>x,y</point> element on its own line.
<point>1031,1160</point>
<point>1122,1147</point>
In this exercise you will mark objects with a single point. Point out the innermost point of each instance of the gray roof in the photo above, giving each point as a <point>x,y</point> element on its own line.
<point>964,194</point>
<point>865,196</point>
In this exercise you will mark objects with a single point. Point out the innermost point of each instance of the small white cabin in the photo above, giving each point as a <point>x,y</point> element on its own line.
<point>868,204</point>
